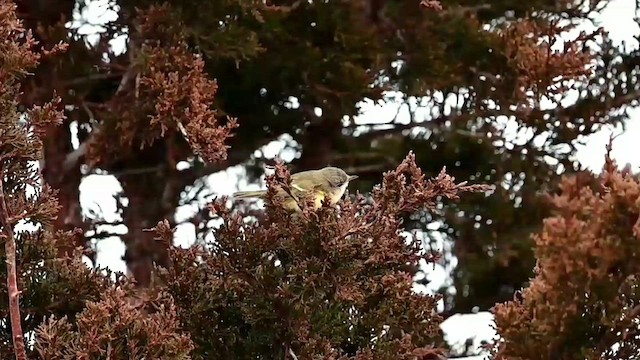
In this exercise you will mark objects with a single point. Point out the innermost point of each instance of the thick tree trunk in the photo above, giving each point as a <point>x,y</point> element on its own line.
<point>319,144</point>
<point>56,147</point>
<point>40,14</point>
<point>153,197</point>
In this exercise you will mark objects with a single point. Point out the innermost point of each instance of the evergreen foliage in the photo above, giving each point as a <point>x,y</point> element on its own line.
<point>208,83</point>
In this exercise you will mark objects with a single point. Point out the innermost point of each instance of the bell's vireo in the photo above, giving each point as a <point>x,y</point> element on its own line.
<point>326,183</point>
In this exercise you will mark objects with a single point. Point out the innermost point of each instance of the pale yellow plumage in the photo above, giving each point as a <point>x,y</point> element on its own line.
<point>328,182</point>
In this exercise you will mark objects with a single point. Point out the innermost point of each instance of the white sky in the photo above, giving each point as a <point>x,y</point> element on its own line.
<point>97,190</point>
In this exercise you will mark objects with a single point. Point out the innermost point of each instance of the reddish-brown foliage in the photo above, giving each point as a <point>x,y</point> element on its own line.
<point>17,147</point>
<point>114,328</point>
<point>583,301</point>
<point>166,90</point>
<point>336,282</point>
<point>198,65</point>
<point>331,283</point>
<point>88,315</point>
<point>543,70</point>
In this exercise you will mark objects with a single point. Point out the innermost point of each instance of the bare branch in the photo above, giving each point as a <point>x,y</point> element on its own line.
<point>73,157</point>
<point>293,355</point>
<point>12,278</point>
<point>367,168</point>
<point>91,78</point>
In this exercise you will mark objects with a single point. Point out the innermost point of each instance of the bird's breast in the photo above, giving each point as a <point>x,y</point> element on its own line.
<point>336,194</point>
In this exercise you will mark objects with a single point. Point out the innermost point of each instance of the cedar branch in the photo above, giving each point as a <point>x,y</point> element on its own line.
<point>12,283</point>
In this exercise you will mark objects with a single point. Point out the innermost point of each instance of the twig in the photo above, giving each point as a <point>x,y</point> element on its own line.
<point>90,78</point>
<point>12,282</point>
<point>137,171</point>
<point>293,355</point>
<point>103,235</point>
<point>367,168</point>
<point>109,350</point>
<point>7,155</point>
<point>106,223</point>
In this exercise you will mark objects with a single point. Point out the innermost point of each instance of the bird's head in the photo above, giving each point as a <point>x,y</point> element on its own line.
<point>337,178</point>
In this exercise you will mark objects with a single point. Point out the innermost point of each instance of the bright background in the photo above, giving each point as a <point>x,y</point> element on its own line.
<point>97,191</point>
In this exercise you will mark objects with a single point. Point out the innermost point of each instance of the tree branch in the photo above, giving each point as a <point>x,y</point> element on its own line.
<point>293,355</point>
<point>12,278</point>
<point>355,170</point>
<point>91,78</point>
<point>103,235</point>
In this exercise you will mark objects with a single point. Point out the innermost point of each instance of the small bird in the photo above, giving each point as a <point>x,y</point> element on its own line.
<point>326,183</point>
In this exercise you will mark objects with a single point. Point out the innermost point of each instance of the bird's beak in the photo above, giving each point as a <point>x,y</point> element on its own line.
<point>352,177</point>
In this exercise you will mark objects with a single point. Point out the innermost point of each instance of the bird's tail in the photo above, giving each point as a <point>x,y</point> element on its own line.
<point>249,194</point>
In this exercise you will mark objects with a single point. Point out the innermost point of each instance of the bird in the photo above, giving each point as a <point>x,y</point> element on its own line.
<point>326,183</point>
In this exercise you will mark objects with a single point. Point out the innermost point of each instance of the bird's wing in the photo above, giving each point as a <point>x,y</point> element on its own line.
<point>304,189</point>
<point>301,185</point>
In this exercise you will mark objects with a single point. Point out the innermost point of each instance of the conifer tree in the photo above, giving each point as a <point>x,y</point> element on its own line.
<point>327,283</point>
<point>583,302</point>
<point>69,310</point>
<point>200,86</point>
